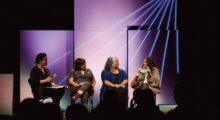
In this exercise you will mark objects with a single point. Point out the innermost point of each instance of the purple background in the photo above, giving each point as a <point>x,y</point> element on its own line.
<point>100,31</point>
<point>58,44</point>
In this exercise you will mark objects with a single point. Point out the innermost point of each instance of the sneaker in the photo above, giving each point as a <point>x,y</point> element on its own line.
<point>47,100</point>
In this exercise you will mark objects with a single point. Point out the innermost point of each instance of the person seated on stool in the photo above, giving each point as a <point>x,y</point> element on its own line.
<point>114,78</point>
<point>82,82</point>
<point>40,79</point>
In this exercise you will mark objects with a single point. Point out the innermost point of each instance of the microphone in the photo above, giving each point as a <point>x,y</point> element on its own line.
<point>54,75</point>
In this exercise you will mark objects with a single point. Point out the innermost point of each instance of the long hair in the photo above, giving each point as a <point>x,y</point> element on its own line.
<point>78,63</point>
<point>40,57</point>
<point>150,62</point>
<point>108,64</point>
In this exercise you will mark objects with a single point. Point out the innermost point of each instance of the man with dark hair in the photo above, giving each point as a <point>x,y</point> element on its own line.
<point>40,79</point>
<point>82,82</point>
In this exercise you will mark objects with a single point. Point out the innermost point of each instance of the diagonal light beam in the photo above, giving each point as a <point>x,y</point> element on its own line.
<point>62,80</point>
<point>163,15</point>
<point>145,22</point>
<point>155,40</point>
<point>117,23</point>
<point>168,22</point>
<point>59,58</point>
<point>130,41</point>
<point>164,55</point>
<point>121,33</point>
<point>148,31</point>
<point>54,61</point>
<point>166,44</point>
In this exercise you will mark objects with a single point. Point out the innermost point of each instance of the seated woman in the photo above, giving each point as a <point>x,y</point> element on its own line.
<point>82,82</point>
<point>115,79</point>
<point>147,77</point>
<point>40,79</point>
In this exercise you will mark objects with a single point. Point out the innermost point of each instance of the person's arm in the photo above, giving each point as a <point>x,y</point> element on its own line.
<point>93,79</point>
<point>71,79</point>
<point>124,78</point>
<point>48,79</point>
<point>93,82</point>
<point>155,77</point>
<point>53,84</point>
<point>108,83</point>
<point>72,83</point>
<point>124,83</point>
<point>35,78</point>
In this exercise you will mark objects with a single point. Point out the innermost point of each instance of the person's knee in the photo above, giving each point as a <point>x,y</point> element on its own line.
<point>91,92</point>
<point>85,96</point>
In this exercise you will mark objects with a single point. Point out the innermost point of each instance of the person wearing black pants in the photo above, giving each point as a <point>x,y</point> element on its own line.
<point>82,82</point>
<point>115,79</point>
<point>40,81</point>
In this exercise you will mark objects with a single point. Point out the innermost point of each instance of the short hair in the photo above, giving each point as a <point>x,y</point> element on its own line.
<point>40,57</point>
<point>78,63</point>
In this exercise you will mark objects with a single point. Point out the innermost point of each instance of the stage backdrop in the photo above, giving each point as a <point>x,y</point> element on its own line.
<point>102,29</point>
<point>127,29</point>
<point>58,44</point>
<point>6,94</point>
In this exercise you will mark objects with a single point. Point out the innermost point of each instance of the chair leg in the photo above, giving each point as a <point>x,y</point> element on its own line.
<point>91,101</point>
<point>100,96</point>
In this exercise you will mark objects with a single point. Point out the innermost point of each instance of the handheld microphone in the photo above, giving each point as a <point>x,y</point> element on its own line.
<point>54,75</point>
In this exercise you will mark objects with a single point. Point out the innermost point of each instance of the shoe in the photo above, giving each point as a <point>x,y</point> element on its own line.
<point>47,100</point>
<point>76,96</point>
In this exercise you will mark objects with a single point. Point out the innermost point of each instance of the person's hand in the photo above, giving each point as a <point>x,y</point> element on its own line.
<point>117,85</point>
<point>78,86</point>
<point>49,79</point>
<point>137,74</point>
<point>80,92</point>
<point>53,84</point>
<point>81,83</point>
<point>122,86</point>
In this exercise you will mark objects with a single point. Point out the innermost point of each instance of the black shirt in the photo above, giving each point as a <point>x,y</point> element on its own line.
<point>37,75</point>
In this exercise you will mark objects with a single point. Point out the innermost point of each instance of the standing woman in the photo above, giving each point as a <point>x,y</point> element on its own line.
<point>115,79</point>
<point>147,77</point>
